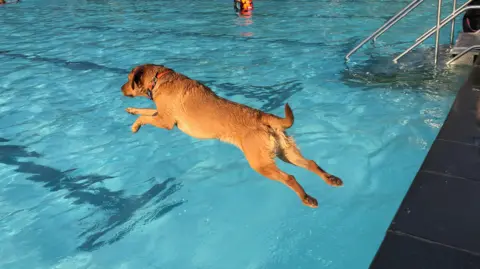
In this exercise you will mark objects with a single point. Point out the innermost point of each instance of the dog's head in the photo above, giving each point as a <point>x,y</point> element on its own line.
<point>140,80</point>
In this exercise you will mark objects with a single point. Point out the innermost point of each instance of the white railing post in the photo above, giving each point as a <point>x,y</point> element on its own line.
<point>437,36</point>
<point>452,31</point>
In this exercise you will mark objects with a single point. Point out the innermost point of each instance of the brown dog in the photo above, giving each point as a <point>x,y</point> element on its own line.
<point>197,111</point>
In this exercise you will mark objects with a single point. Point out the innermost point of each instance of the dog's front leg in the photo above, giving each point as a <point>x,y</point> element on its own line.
<point>141,111</point>
<point>157,121</point>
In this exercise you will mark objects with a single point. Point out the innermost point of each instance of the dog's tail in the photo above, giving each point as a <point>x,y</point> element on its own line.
<point>281,123</point>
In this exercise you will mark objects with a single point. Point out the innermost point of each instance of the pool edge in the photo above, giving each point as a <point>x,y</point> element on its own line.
<point>437,225</point>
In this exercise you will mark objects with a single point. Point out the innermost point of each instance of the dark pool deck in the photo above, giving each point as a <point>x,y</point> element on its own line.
<point>437,226</point>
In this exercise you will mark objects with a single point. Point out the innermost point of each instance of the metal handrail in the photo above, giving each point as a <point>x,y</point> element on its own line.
<point>416,4</point>
<point>453,16</point>
<point>437,36</point>
<point>452,30</point>
<point>448,17</point>
<point>402,13</point>
<point>463,53</point>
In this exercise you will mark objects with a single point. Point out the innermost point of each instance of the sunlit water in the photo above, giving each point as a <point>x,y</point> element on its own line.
<point>79,190</point>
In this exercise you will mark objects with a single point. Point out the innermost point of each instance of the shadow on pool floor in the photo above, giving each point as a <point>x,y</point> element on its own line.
<point>83,190</point>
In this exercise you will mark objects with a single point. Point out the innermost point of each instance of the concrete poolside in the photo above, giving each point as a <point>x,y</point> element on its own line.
<point>437,226</point>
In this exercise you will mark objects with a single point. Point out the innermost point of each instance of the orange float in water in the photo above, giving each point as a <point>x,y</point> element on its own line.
<point>245,7</point>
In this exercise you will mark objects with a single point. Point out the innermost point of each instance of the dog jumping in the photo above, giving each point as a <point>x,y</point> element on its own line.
<point>197,111</point>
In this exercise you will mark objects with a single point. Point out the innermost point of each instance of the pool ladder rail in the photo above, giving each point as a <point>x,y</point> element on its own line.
<point>434,30</point>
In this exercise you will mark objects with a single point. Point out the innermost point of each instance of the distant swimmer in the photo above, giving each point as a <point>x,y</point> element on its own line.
<point>243,6</point>
<point>3,2</point>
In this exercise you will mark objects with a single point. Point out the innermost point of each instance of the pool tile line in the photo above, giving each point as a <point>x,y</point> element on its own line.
<point>453,159</point>
<point>399,233</point>
<point>409,253</point>
<point>443,174</point>
<point>437,225</point>
<point>459,142</point>
<point>441,209</point>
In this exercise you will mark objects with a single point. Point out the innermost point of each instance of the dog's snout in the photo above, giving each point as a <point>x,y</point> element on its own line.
<point>126,90</point>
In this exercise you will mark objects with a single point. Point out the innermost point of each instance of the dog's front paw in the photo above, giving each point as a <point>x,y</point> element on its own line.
<point>131,110</point>
<point>310,201</point>
<point>136,126</point>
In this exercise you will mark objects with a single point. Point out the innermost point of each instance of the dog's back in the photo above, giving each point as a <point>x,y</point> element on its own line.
<point>201,113</point>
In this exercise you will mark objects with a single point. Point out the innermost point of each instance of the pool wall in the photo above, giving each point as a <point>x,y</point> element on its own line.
<point>438,222</point>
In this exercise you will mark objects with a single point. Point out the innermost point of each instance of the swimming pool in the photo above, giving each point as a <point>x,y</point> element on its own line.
<point>79,190</point>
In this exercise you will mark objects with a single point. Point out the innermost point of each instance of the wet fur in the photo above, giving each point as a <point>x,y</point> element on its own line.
<point>197,111</point>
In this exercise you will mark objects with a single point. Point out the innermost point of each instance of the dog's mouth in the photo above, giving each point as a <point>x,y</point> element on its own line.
<point>128,94</point>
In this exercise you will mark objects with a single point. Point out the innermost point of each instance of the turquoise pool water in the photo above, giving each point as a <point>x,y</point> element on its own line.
<point>79,190</point>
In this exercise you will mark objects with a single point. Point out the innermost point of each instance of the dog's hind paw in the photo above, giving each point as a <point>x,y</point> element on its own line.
<point>310,201</point>
<point>334,181</point>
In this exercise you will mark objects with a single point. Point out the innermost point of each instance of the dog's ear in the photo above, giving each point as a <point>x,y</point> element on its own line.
<point>137,77</point>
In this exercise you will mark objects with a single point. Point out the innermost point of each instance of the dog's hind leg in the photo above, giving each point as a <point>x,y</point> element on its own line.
<point>290,153</point>
<point>260,157</point>
<point>141,111</point>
